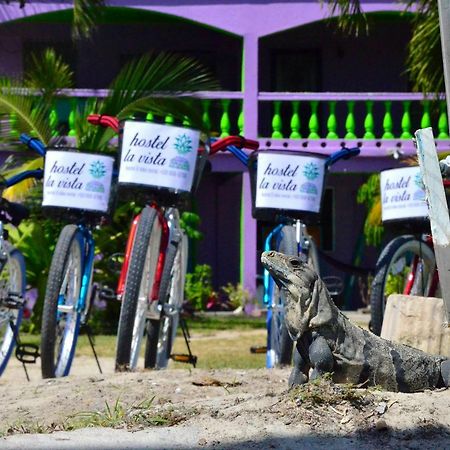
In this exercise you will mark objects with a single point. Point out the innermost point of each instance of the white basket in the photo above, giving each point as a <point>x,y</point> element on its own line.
<point>402,194</point>
<point>77,180</point>
<point>289,181</point>
<point>158,155</point>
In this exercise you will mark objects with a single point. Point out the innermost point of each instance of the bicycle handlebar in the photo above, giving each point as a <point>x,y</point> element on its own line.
<point>104,121</point>
<point>37,174</point>
<point>237,142</point>
<point>344,153</point>
<point>33,144</point>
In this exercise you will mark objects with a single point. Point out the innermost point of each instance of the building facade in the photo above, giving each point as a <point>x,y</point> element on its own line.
<point>288,78</point>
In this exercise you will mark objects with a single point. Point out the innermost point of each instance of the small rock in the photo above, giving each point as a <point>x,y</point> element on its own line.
<point>177,390</point>
<point>202,441</point>
<point>381,408</point>
<point>381,425</point>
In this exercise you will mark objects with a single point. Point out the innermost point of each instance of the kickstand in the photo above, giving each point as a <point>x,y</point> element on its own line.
<point>17,341</point>
<point>90,336</point>
<point>187,338</point>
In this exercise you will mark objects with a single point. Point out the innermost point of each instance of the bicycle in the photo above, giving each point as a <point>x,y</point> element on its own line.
<point>76,186</point>
<point>13,276</point>
<point>407,263</point>
<point>151,283</point>
<point>287,188</point>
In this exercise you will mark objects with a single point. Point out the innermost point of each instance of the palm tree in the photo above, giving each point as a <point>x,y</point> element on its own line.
<point>424,57</point>
<point>85,15</point>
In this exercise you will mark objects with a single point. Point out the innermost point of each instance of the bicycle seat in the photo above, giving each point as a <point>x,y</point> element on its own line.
<point>11,212</point>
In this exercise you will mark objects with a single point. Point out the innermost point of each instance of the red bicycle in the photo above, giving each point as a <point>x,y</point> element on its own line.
<point>151,282</point>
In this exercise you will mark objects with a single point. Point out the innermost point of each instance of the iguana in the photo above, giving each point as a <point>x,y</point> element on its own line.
<point>328,343</point>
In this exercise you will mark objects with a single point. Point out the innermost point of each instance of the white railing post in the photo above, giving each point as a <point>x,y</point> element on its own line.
<point>437,209</point>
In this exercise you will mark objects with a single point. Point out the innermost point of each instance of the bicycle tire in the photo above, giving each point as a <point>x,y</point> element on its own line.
<point>138,286</point>
<point>279,343</point>
<point>161,333</point>
<point>397,252</point>
<point>60,315</point>
<point>11,318</point>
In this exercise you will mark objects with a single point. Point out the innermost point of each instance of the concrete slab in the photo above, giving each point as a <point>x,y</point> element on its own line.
<point>418,322</point>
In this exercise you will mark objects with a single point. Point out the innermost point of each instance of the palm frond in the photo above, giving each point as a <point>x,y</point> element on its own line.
<point>20,190</point>
<point>48,74</point>
<point>424,60</point>
<point>157,73</point>
<point>85,16</point>
<point>31,115</point>
<point>349,14</point>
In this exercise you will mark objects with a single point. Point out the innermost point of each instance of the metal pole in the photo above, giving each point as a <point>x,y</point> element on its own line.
<point>444,23</point>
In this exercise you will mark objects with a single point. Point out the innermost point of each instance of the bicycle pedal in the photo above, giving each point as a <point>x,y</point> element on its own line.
<point>107,294</point>
<point>258,349</point>
<point>13,301</point>
<point>189,359</point>
<point>27,353</point>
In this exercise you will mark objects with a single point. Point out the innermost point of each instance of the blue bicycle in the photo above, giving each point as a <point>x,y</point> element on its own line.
<point>12,276</point>
<point>287,188</point>
<point>77,187</point>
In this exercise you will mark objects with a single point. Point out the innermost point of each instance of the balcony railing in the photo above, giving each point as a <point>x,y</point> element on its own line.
<point>379,123</point>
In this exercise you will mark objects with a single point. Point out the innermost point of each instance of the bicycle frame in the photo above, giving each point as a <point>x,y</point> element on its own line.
<point>161,258</point>
<point>84,300</point>
<point>416,268</point>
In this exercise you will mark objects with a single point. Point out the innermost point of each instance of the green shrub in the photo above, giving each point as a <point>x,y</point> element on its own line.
<point>198,287</point>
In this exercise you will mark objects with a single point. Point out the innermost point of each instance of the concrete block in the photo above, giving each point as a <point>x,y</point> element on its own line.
<point>417,322</point>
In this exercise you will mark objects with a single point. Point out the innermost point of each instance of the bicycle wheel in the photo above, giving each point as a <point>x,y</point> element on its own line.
<point>404,258</point>
<point>60,315</point>
<point>161,333</point>
<point>279,343</point>
<point>12,284</point>
<point>138,288</point>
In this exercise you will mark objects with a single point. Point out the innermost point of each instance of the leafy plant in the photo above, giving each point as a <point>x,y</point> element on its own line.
<point>198,288</point>
<point>369,195</point>
<point>238,295</point>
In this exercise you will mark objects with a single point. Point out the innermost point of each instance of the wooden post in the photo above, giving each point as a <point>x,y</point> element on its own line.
<point>437,209</point>
<point>444,24</point>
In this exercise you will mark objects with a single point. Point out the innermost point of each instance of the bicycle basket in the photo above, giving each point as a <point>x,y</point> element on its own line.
<point>77,184</point>
<point>286,184</point>
<point>162,161</point>
<point>403,196</point>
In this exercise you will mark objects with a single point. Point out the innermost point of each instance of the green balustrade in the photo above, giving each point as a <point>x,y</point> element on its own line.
<point>443,121</point>
<point>369,122</point>
<point>387,121</point>
<point>240,121</point>
<point>225,124</point>
<point>313,123</point>
<point>406,121</point>
<point>12,125</point>
<point>295,121</point>
<point>150,117</point>
<point>169,119</point>
<point>54,121</point>
<point>426,117</point>
<point>332,122</point>
<point>277,123</point>
<point>72,117</point>
<point>350,124</point>
<point>205,115</point>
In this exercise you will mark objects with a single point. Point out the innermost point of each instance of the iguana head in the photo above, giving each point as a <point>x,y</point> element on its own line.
<point>307,303</point>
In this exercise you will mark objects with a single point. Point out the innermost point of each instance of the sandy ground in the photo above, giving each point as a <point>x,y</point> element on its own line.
<point>192,408</point>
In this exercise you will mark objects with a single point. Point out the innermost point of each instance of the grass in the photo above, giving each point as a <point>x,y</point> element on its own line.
<point>118,415</point>
<point>213,346</point>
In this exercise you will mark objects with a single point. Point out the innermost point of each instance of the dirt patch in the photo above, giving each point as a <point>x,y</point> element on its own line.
<point>191,408</point>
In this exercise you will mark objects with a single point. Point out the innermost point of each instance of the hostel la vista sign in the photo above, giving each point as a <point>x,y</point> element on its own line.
<point>77,180</point>
<point>402,194</point>
<point>289,181</point>
<point>158,155</point>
